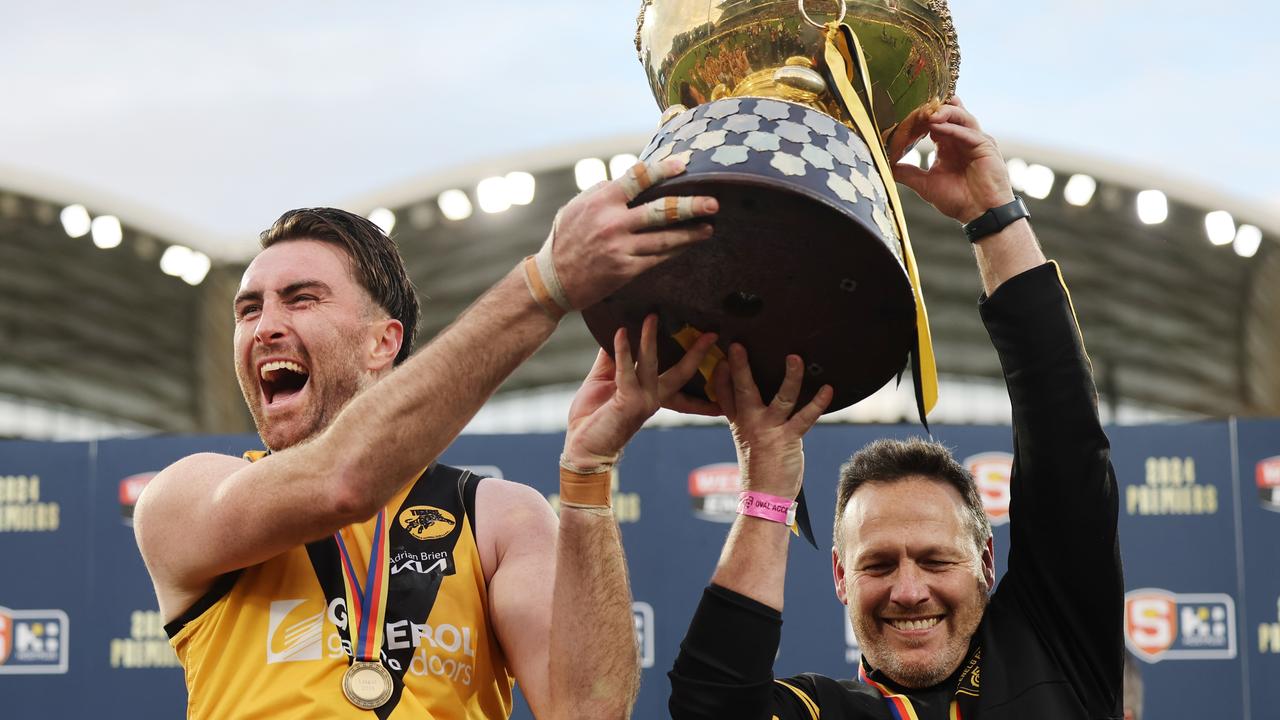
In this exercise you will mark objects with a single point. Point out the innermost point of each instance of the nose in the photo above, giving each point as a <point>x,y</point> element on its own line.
<point>271,324</point>
<point>910,587</point>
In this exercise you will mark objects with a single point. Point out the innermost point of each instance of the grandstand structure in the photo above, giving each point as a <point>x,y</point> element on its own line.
<point>121,326</point>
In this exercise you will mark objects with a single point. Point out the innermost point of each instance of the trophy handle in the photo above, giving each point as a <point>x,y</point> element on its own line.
<point>821,26</point>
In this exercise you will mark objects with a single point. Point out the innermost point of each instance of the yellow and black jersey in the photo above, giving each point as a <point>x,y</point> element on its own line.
<point>270,640</point>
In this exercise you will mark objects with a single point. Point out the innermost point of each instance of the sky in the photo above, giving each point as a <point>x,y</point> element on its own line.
<point>218,116</point>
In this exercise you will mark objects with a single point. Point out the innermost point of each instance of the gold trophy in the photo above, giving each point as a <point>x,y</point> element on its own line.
<point>791,113</point>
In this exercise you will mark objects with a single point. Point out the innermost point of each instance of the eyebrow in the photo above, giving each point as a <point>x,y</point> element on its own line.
<point>287,290</point>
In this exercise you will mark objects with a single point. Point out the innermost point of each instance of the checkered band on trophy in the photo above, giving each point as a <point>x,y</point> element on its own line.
<point>791,114</point>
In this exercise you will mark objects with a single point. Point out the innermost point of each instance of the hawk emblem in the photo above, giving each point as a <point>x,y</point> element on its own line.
<point>427,523</point>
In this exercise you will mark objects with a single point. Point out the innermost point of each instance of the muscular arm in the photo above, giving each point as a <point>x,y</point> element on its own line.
<point>724,668</point>
<point>207,515</point>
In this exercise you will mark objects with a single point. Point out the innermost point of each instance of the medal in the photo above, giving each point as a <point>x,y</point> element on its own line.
<point>367,684</point>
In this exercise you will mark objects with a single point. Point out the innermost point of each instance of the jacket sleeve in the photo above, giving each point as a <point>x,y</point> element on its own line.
<point>1064,560</point>
<point>725,665</point>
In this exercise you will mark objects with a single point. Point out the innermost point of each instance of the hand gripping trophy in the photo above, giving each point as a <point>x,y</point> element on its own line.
<point>791,114</point>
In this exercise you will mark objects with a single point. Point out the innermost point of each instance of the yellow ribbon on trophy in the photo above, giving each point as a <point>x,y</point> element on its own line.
<point>845,60</point>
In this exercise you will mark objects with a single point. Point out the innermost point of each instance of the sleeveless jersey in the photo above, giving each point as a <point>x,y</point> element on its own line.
<point>270,641</point>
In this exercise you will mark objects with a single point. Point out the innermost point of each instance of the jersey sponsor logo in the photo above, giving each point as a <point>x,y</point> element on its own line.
<point>1161,625</point>
<point>34,642</point>
<point>714,490</point>
<point>992,472</point>
<point>425,522</point>
<point>1268,473</point>
<point>642,615</point>
<point>306,629</point>
<point>423,563</point>
<point>130,488</point>
<point>294,630</point>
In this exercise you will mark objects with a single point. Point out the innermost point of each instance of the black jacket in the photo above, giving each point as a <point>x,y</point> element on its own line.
<point>1051,640</point>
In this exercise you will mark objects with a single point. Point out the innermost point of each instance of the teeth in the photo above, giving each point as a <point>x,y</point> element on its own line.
<point>275,365</point>
<point>924,624</point>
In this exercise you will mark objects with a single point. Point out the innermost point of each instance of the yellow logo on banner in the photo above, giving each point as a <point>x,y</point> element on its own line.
<point>1171,489</point>
<point>147,645</point>
<point>20,506</point>
<point>427,523</point>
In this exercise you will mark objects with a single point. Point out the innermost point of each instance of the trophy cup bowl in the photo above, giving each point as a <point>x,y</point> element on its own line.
<point>807,257</point>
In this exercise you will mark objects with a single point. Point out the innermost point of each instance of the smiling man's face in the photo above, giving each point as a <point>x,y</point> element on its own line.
<point>915,581</point>
<point>303,340</point>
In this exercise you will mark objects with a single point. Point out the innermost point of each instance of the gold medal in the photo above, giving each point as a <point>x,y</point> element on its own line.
<point>367,684</point>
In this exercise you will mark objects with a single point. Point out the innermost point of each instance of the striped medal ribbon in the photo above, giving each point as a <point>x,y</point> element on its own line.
<point>367,683</point>
<point>965,698</point>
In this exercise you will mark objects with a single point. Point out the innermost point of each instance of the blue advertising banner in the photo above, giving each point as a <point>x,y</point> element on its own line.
<point>1258,465</point>
<point>1199,521</point>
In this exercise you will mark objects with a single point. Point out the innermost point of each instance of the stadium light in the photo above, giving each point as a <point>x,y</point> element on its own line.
<point>75,220</point>
<point>383,218</point>
<point>521,187</point>
<point>1220,227</point>
<point>589,171</point>
<point>1153,207</point>
<point>107,232</point>
<point>620,164</point>
<point>197,267</point>
<point>174,260</point>
<point>1017,173</point>
<point>1079,190</point>
<point>1038,181</point>
<point>454,204</point>
<point>492,194</point>
<point>1248,240</point>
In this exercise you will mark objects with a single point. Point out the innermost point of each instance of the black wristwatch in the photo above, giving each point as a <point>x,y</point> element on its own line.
<point>996,219</point>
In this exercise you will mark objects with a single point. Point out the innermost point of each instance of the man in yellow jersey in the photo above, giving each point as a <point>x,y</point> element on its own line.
<point>913,558</point>
<point>345,573</point>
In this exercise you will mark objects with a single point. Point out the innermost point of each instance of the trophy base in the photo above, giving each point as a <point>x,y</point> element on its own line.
<point>787,272</point>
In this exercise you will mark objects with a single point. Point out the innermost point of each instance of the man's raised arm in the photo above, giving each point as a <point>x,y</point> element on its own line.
<point>725,666</point>
<point>207,515</point>
<point>1064,563</point>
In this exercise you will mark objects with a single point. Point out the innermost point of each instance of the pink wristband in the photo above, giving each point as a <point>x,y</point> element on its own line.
<point>767,507</point>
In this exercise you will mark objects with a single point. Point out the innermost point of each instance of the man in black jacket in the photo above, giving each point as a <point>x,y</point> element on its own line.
<point>913,556</point>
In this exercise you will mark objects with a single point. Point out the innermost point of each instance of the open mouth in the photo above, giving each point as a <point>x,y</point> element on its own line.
<point>914,624</point>
<point>281,380</point>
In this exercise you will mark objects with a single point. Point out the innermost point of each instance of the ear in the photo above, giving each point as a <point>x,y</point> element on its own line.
<point>385,336</point>
<point>989,563</point>
<point>837,574</point>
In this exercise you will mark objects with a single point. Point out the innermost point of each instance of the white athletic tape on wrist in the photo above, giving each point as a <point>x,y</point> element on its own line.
<point>543,282</point>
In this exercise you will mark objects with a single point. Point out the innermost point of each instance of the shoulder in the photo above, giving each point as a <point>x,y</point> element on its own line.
<point>811,693</point>
<point>505,512</point>
<point>184,480</point>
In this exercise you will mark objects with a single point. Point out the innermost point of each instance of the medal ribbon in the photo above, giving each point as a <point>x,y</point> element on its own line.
<point>367,603</point>
<point>845,60</point>
<point>900,705</point>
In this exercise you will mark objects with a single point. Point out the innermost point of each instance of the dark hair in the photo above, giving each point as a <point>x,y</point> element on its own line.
<point>887,461</point>
<point>376,263</point>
